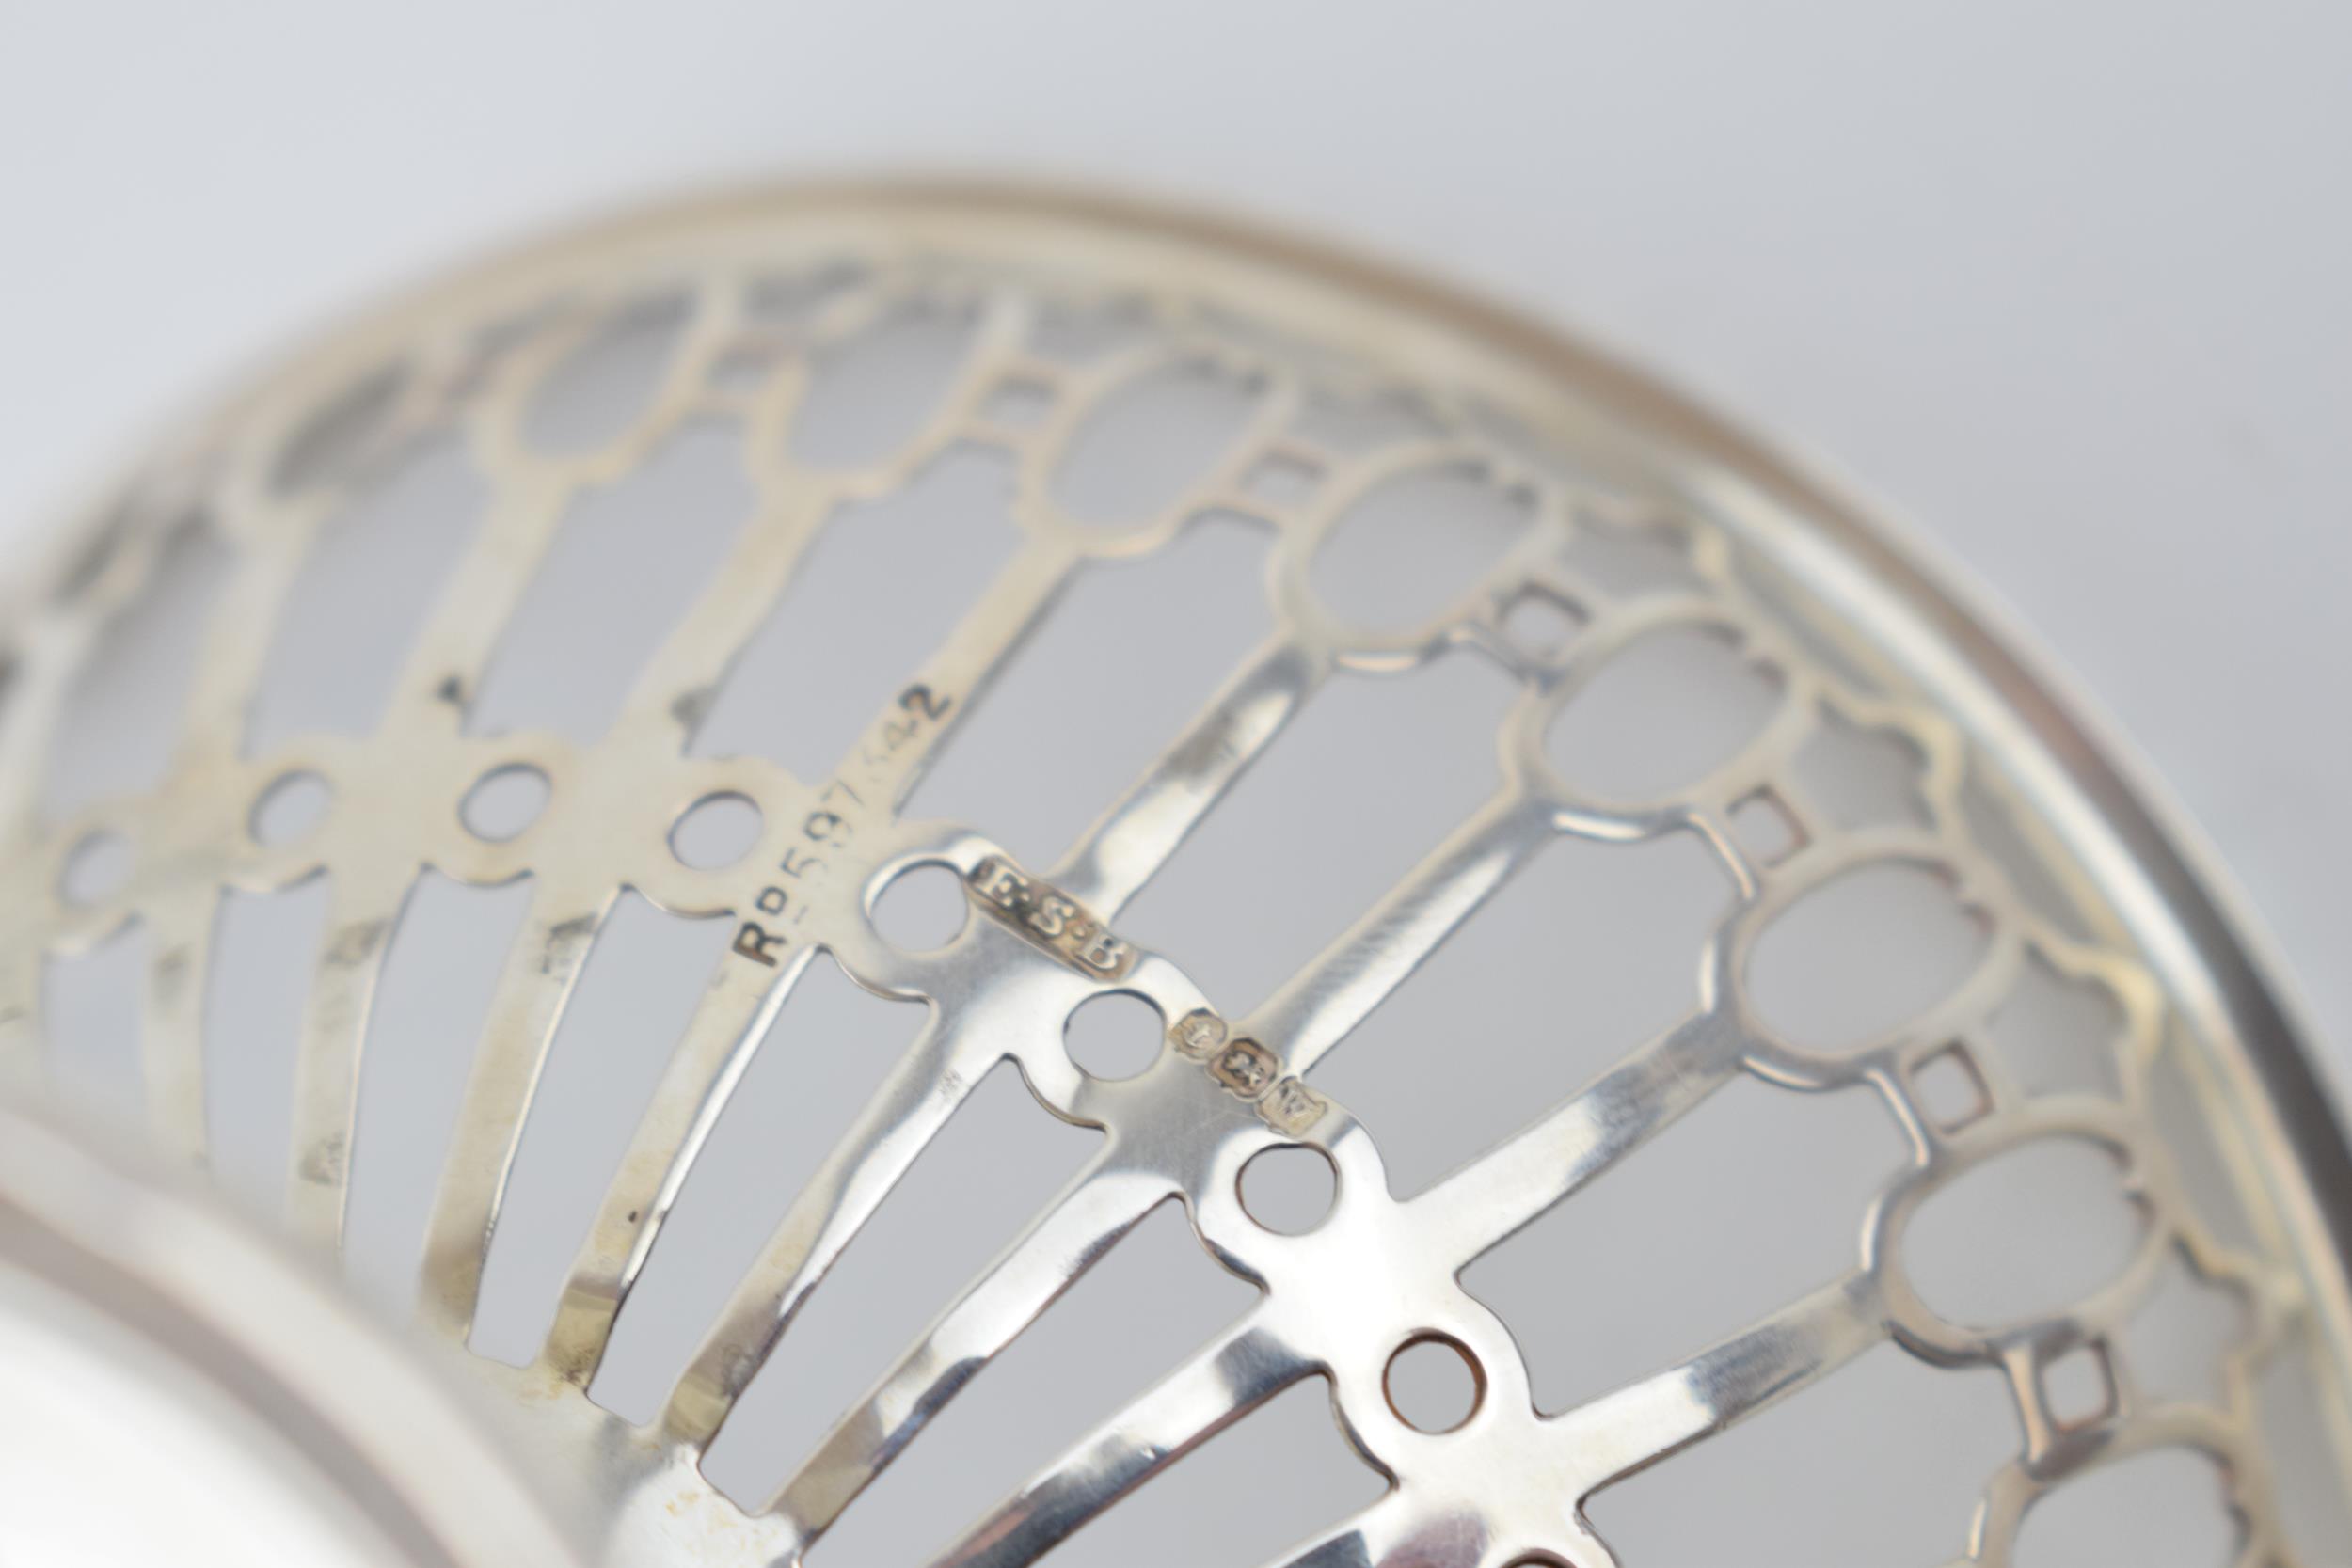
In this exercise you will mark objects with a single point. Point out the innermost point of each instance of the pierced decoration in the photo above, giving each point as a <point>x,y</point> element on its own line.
<point>545,588</point>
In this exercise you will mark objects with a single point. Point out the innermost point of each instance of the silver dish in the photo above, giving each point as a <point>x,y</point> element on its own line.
<point>247,625</point>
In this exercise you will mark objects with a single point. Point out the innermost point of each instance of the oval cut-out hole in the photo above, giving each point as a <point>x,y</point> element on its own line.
<point>716,831</point>
<point>1114,1035</point>
<point>1289,1189</point>
<point>1862,954</point>
<point>922,908</point>
<point>870,395</point>
<point>1411,545</point>
<point>505,801</point>
<point>96,869</point>
<point>1134,456</point>
<point>1433,1385</point>
<point>1664,713</point>
<point>2168,1509</point>
<point>2028,1233</point>
<point>604,385</point>
<point>291,809</point>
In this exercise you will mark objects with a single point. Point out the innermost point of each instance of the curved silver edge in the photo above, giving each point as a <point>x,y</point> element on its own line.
<point>175,1271</point>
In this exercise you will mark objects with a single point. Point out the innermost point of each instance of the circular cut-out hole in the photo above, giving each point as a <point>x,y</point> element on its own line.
<point>1114,1035</point>
<point>923,908</point>
<point>1433,1384</point>
<point>97,868</point>
<point>291,809</point>
<point>505,801</point>
<point>716,831</point>
<point>1289,1189</point>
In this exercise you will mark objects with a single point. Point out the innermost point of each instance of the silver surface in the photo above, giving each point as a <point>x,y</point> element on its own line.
<point>1138,385</point>
<point>177,1391</point>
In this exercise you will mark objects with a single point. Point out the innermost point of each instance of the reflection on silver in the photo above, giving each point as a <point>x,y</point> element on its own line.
<point>177,1392</point>
<point>765,313</point>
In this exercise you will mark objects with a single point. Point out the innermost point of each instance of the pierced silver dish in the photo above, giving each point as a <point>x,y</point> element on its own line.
<point>941,859</point>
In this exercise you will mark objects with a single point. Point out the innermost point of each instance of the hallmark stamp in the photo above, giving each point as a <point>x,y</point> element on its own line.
<point>1048,917</point>
<point>1245,1068</point>
<point>1198,1033</point>
<point>1291,1107</point>
<point>1247,1071</point>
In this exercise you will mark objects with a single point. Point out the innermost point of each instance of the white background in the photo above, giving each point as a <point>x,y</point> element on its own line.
<point>2070,285</point>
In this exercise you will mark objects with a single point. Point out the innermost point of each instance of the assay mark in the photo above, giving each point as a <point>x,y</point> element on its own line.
<point>1050,918</point>
<point>1248,1072</point>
